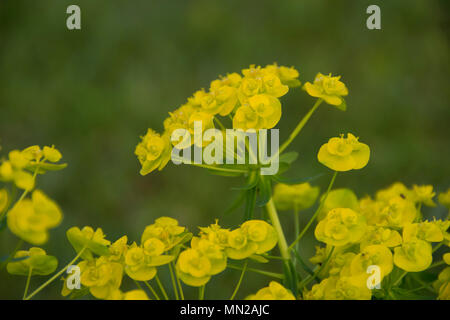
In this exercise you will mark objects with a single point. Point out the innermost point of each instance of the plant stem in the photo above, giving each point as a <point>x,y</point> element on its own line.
<point>174,285</point>
<point>220,124</point>
<point>297,230</point>
<point>263,272</point>
<point>400,278</point>
<point>56,275</point>
<point>315,213</point>
<point>437,247</point>
<point>436,264</point>
<point>180,287</point>
<point>300,126</point>
<point>282,244</point>
<point>240,280</point>
<point>161,287</point>
<point>201,293</point>
<point>305,282</point>
<point>28,283</point>
<point>151,289</point>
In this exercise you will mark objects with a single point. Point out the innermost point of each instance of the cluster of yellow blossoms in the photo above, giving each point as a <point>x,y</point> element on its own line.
<point>388,232</point>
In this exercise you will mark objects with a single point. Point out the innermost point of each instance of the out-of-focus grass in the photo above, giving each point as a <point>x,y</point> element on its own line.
<point>93,92</point>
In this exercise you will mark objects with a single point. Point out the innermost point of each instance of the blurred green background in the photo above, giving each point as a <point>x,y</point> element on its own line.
<point>94,91</point>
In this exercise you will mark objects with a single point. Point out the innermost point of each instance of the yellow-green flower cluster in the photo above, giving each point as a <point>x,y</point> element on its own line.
<point>328,88</point>
<point>209,252</point>
<point>250,99</point>
<point>295,197</point>
<point>274,291</point>
<point>387,232</point>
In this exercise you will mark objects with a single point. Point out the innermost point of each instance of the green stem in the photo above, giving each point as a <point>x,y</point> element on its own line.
<point>263,272</point>
<point>437,247</point>
<point>220,124</point>
<point>174,285</point>
<point>305,282</point>
<point>13,253</point>
<point>201,293</point>
<point>315,213</point>
<point>300,126</point>
<point>152,290</point>
<point>400,278</point>
<point>161,287</point>
<point>240,281</point>
<point>28,283</point>
<point>436,264</point>
<point>56,275</point>
<point>282,244</point>
<point>180,287</point>
<point>297,230</point>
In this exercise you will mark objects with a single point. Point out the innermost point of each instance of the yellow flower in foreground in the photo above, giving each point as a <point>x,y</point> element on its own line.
<point>168,231</point>
<point>35,259</point>
<point>341,226</point>
<point>101,276</point>
<point>328,88</point>
<point>193,268</point>
<point>428,231</point>
<point>378,255</point>
<point>30,219</point>
<point>344,154</point>
<point>295,197</point>
<point>92,242</point>
<point>263,111</point>
<point>135,295</point>
<point>153,152</point>
<point>413,256</point>
<point>274,291</point>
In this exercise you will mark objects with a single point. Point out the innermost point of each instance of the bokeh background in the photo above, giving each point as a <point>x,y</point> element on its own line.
<point>94,91</point>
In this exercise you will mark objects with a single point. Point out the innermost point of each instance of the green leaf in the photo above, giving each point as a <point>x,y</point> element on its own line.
<point>258,258</point>
<point>285,180</point>
<point>44,167</point>
<point>250,198</point>
<point>288,157</point>
<point>342,106</point>
<point>236,203</point>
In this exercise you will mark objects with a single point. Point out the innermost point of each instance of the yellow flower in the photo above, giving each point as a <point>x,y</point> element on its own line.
<point>193,268</point>
<point>340,288</point>
<point>35,259</point>
<point>328,88</point>
<point>295,197</point>
<point>413,256</point>
<point>232,80</point>
<point>444,198</point>
<point>135,295</point>
<point>274,291</point>
<point>261,233</point>
<point>288,75</point>
<point>13,170</point>
<point>338,198</point>
<point>141,262</point>
<point>341,226</point>
<point>424,194</point>
<point>51,154</point>
<point>206,121</point>
<point>213,252</point>
<point>168,231</point>
<point>118,249</point>
<point>378,255</point>
<point>239,246</point>
<point>220,100</point>
<point>446,258</point>
<point>215,234</point>
<point>101,276</point>
<point>30,219</point>
<point>153,152</point>
<point>344,154</point>
<point>393,191</point>
<point>442,284</point>
<point>92,242</point>
<point>397,212</point>
<point>428,231</point>
<point>381,236</point>
<point>263,111</point>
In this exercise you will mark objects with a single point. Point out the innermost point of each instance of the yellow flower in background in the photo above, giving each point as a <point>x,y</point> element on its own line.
<point>413,256</point>
<point>232,79</point>
<point>30,219</point>
<point>344,154</point>
<point>35,259</point>
<point>338,198</point>
<point>213,252</point>
<point>424,194</point>
<point>215,234</point>
<point>397,212</point>
<point>153,152</point>
<point>51,154</point>
<point>261,233</point>
<point>396,189</point>
<point>239,246</point>
<point>101,276</point>
<point>204,121</point>
<point>446,258</point>
<point>428,231</point>
<point>295,197</point>
<point>444,198</point>
<point>274,291</point>
<point>288,75</point>
<point>263,111</point>
<point>341,226</point>
<point>328,88</point>
<point>442,284</point>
